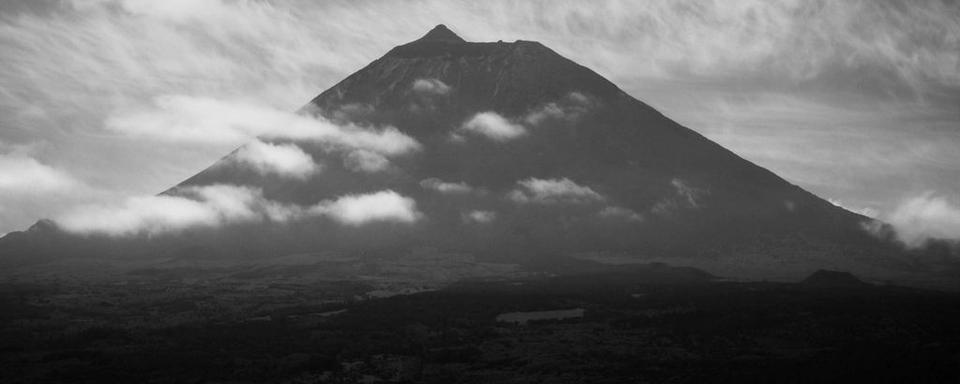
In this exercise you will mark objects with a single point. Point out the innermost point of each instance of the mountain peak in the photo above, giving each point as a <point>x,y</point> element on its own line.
<point>441,33</point>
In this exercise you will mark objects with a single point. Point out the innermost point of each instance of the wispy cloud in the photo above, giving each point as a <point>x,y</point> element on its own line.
<point>365,161</point>
<point>206,206</point>
<point>437,185</point>
<point>802,40</point>
<point>553,191</point>
<point>427,94</point>
<point>493,126</point>
<point>569,108</point>
<point>926,216</point>
<point>621,213</point>
<point>180,118</point>
<point>430,87</point>
<point>222,204</point>
<point>478,217</point>
<point>864,211</point>
<point>685,197</point>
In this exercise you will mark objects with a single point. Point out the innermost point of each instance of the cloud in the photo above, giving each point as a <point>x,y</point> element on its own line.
<point>495,127</point>
<point>620,213</point>
<point>30,189</point>
<point>383,206</point>
<point>206,206</point>
<point>553,191</point>
<point>795,40</point>
<point>686,197</point>
<point>492,126</point>
<point>549,111</point>
<point>569,108</point>
<point>430,87</point>
<point>349,112</point>
<point>690,194</point>
<point>179,118</point>
<point>286,160</point>
<point>427,95</point>
<point>478,217</point>
<point>24,175</point>
<point>152,215</point>
<point>222,204</point>
<point>923,217</point>
<point>365,161</point>
<point>176,10</point>
<point>444,187</point>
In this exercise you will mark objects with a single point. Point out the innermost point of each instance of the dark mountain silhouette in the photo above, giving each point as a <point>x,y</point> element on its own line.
<point>644,187</point>
<point>826,278</point>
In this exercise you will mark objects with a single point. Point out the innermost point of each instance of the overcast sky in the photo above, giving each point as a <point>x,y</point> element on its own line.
<point>856,101</point>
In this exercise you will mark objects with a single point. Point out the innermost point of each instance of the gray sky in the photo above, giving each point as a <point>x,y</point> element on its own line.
<point>856,101</point>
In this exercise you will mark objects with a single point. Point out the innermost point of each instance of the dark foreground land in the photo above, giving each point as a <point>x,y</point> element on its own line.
<point>649,324</point>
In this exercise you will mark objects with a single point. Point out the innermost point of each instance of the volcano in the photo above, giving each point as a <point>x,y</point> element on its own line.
<point>509,153</point>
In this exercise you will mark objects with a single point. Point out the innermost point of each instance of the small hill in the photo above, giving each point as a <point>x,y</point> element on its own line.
<point>827,278</point>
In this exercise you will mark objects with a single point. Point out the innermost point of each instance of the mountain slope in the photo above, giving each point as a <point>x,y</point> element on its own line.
<point>522,154</point>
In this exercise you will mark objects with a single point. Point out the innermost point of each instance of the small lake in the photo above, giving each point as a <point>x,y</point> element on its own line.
<point>523,317</point>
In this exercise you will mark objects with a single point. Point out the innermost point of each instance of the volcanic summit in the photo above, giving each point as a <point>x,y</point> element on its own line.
<point>506,152</point>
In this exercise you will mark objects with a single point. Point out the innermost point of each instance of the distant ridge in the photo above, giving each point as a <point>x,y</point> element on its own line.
<point>827,278</point>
